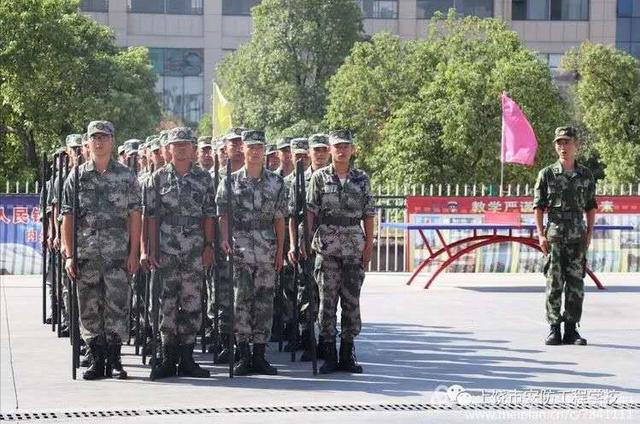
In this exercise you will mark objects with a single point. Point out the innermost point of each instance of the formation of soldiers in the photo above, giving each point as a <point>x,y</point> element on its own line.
<point>231,243</point>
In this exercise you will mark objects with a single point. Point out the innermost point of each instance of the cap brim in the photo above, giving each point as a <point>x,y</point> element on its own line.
<point>563,137</point>
<point>98,132</point>
<point>298,151</point>
<point>340,141</point>
<point>252,142</point>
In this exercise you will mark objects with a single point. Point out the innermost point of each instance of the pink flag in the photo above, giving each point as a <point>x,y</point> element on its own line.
<point>519,144</point>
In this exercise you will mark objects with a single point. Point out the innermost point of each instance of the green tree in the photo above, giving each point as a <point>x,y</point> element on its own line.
<point>607,102</point>
<point>429,110</point>
<point>58,70</point>
<point>205,125</point>
<point>279,77</point>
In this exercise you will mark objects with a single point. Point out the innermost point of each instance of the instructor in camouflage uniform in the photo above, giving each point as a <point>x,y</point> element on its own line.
<point>258,206</point>
<point>109,217</point>
<point>180,199</point>
<point>566,190</point>
<point>339,200</point>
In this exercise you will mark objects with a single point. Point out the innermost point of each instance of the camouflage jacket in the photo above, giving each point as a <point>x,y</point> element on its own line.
<point>256,204</point>
<point>565,198</point>
<point>180,203</point>
<point>105,202</point>
<point>329,200</point>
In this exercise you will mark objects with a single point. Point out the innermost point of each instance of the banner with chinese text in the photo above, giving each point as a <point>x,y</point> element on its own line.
<point>20,234</point>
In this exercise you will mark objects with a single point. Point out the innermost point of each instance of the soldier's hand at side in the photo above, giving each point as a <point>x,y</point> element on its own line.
<point>279,260</point>
<point>207,257</point>
<point>70,267</point>
<point>153,262</point>
<point>544,244</point>
<point>292,256</point>
<point>226,248</point>
<point>50,244</point>
<point>303,251</point>
<point>366,255</point>
<point>133,264</point>
<point>144,262</point>
<point>56,244</point>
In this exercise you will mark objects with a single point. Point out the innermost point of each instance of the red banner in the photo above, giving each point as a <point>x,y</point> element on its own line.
<point>484,204</point>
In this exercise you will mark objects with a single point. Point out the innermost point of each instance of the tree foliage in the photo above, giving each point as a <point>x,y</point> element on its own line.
<point>279,77</point>
<point>60,69</point>
<point>429,110</point>
<point>607,100</point>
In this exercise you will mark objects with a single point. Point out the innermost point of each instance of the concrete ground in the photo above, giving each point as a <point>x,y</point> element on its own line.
<point>482,332</point>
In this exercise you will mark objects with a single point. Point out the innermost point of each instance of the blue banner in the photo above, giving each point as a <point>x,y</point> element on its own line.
<point>20,234</point>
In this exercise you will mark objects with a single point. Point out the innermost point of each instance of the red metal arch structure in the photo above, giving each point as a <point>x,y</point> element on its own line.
<point>476,241</point>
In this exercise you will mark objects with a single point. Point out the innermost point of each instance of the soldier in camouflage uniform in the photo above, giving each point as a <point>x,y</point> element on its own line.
<point>307,299</point>
<point>109,218</point>
<point>205,160</point>
<point>566,190</point>
<point>273,162</point>
<point>258,239</point>
<point>180,198</point>
<point>339,200</point>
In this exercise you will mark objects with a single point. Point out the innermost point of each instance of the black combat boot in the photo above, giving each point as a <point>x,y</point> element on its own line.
<point>348,361</point>
<point>260,364</point>
<point>554,338</point>
<point>96,369</point>
<point>243,365</point>
<point>87,355</point>
<point>166,368</point>
<point>187,366</point>
<point>114,362</point>
<point>330,357</point>
<point>306,346</point>
<point>571,335</point>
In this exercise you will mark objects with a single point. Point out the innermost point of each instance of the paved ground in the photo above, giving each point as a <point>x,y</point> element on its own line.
<point>483,332</point>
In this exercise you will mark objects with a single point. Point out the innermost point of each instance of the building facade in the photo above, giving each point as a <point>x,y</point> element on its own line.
<point>188,38</point>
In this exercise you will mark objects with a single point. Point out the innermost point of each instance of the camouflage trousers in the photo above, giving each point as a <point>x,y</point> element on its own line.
<point>224,296</point>
<point>339,278</point>
<point>307,295</point>
<point>284,308</point>
<point>103,299</point>
<point>254,291</point>
<point>181,279</point>
<point>564,269</point>
<point>53,302</point>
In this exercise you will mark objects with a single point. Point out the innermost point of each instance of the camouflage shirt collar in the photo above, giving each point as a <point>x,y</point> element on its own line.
<point>350,174</point>
<point>172,169</point>
<point>243,173</point>
<point>557,168</point>
<point>91,165</point>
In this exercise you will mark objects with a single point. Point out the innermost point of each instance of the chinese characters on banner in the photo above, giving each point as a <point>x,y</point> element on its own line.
<point>20,234</point>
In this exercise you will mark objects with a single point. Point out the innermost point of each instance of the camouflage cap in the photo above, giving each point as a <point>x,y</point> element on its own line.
<point>85,138</point>
<point>565,133</point>
<point>180,134</point>
<point>340,137</point>
<point>131,146</point>
<point>300,145</point>
<point>163,137</point>
<point>219,144</point>
<point>204,141</point>
<point>318,140</point>
<point>120,149</point>
<point>250,137</point>
<point>104,127</point>
<point>151,137</point>
<point>238,130</point>
<point>73,140</point>
<point>283,143</point>
<point>232,136</point>
<point>271,149</point>
<point>154,144</point>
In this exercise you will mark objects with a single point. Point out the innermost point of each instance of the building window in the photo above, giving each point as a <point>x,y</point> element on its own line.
<point>170,7</point>
<point>94,5</point>
<point>551,59</point>
<point>628,27</point>
<point>550,10</point>
<point>481,8</point>
<point>238,7</point>
<point>180,83</point>
<point>379,9</point>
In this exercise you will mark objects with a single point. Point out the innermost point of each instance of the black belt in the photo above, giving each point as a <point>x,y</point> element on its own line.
<point>105,223</point>
<point>339,221</point>
<point>181,220</point>
<point>257,225</point>
<point>565,215</point>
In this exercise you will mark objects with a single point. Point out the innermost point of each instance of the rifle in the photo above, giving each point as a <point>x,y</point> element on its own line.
<point>63,161</point>
<point>293,334</point>
<point>74,330</point>
<point>216,269</point>
<point>147,280</point>
<point>301,204</point>
<point>155,291</point>
<point>45,228</point>
<point>231,347</point>
<point>54,256</point>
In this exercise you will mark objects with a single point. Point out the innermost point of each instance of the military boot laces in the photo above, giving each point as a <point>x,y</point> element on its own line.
<point>348,361</point>
<point>96,369</point>
<point>166,368</point>
<point>554,338</point>
<point>243,365</point>
<point>260,364</point>
<point>571,335</point>
<point>330,358</point>
<point>114,362</point>
<point>188,367</point>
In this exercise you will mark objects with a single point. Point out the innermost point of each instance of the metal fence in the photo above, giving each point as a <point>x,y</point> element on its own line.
<point>390,248</point>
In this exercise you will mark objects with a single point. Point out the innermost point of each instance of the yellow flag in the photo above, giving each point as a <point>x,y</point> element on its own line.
<point>222,110</point>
